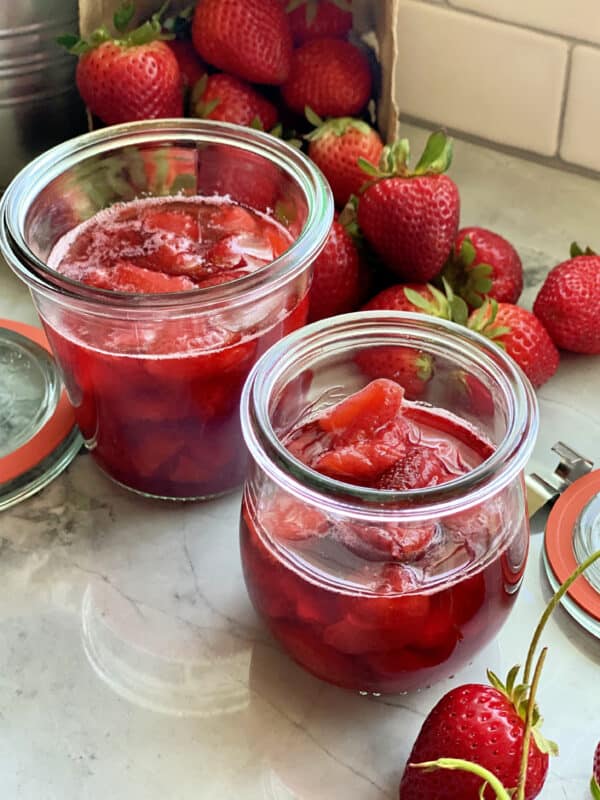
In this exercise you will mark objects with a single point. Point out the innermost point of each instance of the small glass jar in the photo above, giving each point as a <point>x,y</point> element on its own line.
<point>337,608</point>
<point>155,379</point>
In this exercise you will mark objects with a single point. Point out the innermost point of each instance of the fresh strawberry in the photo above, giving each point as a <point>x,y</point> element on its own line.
<point>335,147</point>
<point>248,38</point>
<point>484,264</point>
<point>521,334</point>
<point>479,723</point>
<point>418,298</point>
<point>319,19</point>
<point>487,735</point>
<point>411,218</point>
<point>133,77</point>
<point>338,278</point>
<point>595,781</point>
<point>568,302</point>
<point>409,367</point>
<point>191,66</point>
<point>330,76</point>
<point>226,98</point>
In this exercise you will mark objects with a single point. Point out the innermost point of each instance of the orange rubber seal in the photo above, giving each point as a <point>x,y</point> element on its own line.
<point>50,435</point>
<point>559,540</point>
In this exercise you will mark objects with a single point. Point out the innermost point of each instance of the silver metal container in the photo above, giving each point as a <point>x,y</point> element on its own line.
<point>39,103</point>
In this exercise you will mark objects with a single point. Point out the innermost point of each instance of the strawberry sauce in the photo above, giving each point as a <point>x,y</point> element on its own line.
<point>383,606</point>
<point>157,401</point>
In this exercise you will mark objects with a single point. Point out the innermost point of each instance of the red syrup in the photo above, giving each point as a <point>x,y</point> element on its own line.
<point>387,607</point>
<point>158,404</point>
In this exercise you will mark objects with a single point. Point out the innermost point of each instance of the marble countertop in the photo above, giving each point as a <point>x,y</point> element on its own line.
<point>132,665</point>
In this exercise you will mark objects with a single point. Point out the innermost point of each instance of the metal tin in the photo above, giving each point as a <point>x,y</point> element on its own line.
<point>39,102</point>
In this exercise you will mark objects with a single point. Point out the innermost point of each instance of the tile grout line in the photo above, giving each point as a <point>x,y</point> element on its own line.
<point>565,97</point>
<point>553,162</point>
<point>567,39</point>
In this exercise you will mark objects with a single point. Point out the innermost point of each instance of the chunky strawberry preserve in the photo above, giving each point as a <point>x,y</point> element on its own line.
<point>160,409</point>
<point>163,258</point>
<point>371,543</point>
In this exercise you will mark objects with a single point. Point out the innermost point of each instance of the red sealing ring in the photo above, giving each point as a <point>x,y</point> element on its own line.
<point>559,540</point>
<point>50,435</point>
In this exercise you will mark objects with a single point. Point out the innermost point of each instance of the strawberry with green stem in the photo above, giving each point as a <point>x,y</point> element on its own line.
<point>567,304</point>
<point>131,77</point>
<point>319,19</point>
<point>336,145</point>
<point>499,726</point>
<point>410,217</point>
<point>484,264</point>
<point>229,99</point>
<point>408,366</point>
<point>521,334</point>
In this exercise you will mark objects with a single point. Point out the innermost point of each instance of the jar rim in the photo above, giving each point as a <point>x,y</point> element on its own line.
<point>344,499</point>
<point>40,172</point>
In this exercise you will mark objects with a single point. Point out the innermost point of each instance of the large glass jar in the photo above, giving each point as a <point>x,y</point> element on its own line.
<point>155,379</point>
<point>322,557</point>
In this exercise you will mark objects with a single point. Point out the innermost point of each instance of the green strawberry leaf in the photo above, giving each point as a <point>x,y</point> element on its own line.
<point>467,252</point>
<point>594,789</point>
<point>293,5</point>
<point>417,300</point>
<point>460,310</point>
<point>123,16</point>
<point>511,678</point>
<point>74,44</point>
<point>395,158</point>
<point>576,250</point>
<point>437,155</point>
<point>256,123</point>
<point>481,285</point>
<point>368,168</point>
<point>199,89</point>
<point>495,681</point>
<point>312,117</point>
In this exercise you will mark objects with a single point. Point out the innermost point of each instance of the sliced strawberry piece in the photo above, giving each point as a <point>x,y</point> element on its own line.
<point>177,222</point>
<point>222,277</point>
<point>366,410</point>
<point>422,467</point>
<point>289,519</point>
<point>131,279</point>
<point>388,541</point>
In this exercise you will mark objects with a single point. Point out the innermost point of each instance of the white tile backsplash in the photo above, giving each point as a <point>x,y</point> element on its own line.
<point>582,116</point>
<point>522,74</point>
<point>482,77</point>
<point>579,19</point>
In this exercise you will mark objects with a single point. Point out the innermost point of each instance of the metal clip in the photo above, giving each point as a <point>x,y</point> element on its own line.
<point>571,467</point>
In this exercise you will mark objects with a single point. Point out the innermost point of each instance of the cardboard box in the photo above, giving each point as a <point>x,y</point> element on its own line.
<point>373,19</point>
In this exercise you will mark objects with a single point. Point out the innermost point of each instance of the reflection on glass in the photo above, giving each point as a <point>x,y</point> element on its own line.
<point>162,663</point>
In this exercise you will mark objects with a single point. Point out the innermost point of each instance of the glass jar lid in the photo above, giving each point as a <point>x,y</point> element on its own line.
<point>38,435</point>
<point>573,534</point>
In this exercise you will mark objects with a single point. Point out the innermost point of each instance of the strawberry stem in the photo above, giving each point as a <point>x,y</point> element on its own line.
<point>558,596</point>
<point>529,725</point>
<point>467,766</point>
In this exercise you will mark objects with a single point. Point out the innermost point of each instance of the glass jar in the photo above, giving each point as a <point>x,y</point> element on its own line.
<point>155,379</point>
<point>322,558</point>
